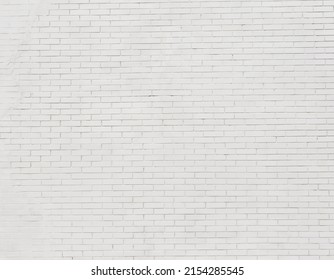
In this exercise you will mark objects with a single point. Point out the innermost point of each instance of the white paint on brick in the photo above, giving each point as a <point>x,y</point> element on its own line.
<point>175,129</point>
<point>17,220</point>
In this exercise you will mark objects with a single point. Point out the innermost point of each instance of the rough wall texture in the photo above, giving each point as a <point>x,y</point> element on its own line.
<point>18,222</point>
<point>172,129</point>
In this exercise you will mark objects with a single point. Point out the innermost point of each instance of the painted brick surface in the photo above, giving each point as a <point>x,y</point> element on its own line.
<point>169,129</point>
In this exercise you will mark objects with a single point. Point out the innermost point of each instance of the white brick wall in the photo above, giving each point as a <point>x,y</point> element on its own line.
<point>170,129</point>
